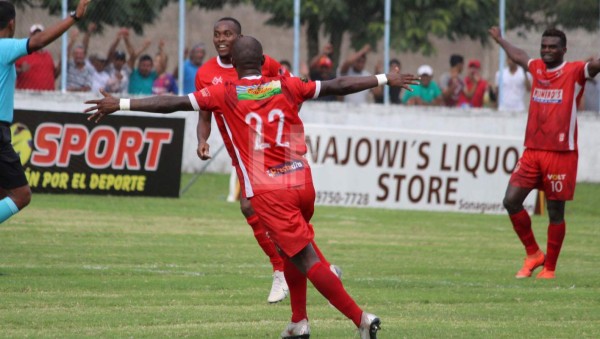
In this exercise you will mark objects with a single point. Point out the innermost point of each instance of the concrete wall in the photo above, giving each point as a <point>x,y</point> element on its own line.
<point>482,122</point>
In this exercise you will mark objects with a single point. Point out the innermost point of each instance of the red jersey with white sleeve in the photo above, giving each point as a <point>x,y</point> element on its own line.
<point>215,72</point>
<point>555,94</point>
<point>260,116</point>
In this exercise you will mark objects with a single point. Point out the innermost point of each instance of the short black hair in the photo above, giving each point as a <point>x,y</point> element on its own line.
<point>456,59</point>
<point>235,22</point>
<point>553,32</point>
<point>145,57</point>
<point>7,13</point>
<point>395,61</point>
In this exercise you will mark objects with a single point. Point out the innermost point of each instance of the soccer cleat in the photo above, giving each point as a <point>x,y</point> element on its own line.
<point>369,325</point>
<point>336,270</point>
<point>545,274</point>
<point>279,288</point>
<point>299,330</point>
<point>530,265</point>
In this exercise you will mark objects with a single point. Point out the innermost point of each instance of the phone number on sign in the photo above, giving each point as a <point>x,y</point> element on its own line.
<point>342,198</point>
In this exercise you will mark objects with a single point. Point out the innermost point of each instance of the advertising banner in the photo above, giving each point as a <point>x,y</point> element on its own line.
<point>122,155</point>
<point>374,167</point>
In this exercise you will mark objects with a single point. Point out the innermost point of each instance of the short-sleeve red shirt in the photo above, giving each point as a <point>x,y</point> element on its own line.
<point>555,94</point>
<point>260,117</point>
<point>40,75</point>
<point>215,72</point>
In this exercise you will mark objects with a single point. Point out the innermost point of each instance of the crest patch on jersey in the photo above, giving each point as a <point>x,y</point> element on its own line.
<point>258,92</point>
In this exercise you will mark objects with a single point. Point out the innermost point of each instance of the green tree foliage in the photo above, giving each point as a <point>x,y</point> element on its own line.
<point>133,14</point>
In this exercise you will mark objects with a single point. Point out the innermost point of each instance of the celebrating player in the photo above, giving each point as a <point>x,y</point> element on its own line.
<point>261,115</point>
<point>550,158</point>
<point>218,70</point>
<point>13,182</point>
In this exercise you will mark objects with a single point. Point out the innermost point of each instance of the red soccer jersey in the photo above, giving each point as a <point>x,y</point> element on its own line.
<point>555,94</point>
<point>40,75</point>
<point>260,116</point>
<point>214,72</point>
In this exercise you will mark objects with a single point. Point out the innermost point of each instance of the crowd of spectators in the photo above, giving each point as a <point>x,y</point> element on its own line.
<point>129,70</point>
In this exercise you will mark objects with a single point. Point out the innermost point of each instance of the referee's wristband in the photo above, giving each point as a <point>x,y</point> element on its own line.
<point>381,79</point>
<point>124,104</point>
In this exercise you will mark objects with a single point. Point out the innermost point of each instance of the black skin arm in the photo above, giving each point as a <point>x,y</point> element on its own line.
<point>203,130</point>
<point>594,67</point>
<point>352,84</point>
<point>518,55</point>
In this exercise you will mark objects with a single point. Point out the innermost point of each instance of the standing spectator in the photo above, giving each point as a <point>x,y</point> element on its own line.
<point>355,66</point>
<point>516,82</point>
<point>394,92</point>
<point>451,82</point>
<point>323,71</point>
<point>118,68</point>
<point>549,161</point>
<point>475,87</point>
<point>165,82</point>
<point>190,67</point>
<point>100,76</point>
<point>327,51</point>
<point>36,71</point>
<point>79,71</point>
<point>15,193</point>
<point>427,92</point>
<point>142,78</point>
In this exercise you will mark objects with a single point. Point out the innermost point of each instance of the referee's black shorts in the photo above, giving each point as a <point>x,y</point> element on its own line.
<point>11,171</point>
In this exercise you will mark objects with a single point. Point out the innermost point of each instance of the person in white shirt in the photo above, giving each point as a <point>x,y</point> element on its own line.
<point>355,66</point>
<point>516,83</point>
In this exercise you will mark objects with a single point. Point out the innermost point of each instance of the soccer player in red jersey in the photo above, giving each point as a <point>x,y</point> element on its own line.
<point>550,158</point>
<point>261,116</point>
<point>216,71</point>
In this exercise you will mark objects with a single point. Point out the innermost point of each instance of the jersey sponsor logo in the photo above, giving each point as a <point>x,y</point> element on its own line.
<point>548,96</point>
<point>205,92</point>
<point>285,168</point>
<point>556,177</point>
<point>217,80</point>
<point>258,92</point>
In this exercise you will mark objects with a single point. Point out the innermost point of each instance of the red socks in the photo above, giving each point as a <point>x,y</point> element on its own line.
<point>296,282</point>
<point>522,225</point>
<point>331,288</point>
<point>556,235</point>
<point>260,233</point>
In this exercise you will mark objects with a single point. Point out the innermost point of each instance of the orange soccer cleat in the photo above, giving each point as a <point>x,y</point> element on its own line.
<point>545,274</point>
<point>531,263</point>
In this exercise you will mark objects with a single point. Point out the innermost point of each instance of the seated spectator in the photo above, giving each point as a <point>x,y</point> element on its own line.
<point>394,92</point>
<point>36,71</point>
<point>354,65</point>
<point>451,82</point>
<point>324,71</point>
<point>427,93</point>
<point>475,87</point>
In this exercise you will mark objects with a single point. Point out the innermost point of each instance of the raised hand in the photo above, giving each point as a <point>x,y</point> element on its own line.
<point>81,8</point>
<point>102,107</point>
<point>495,33</point>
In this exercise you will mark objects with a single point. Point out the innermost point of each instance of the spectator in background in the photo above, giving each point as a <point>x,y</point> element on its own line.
<point>193,60</point>
<point>327,51</point>
<point>285,66</point>
<point>475,87</point>
<point>100,76</point>
<point>394,92</point>
<point>79,71</point>
<point>36,71</point>
<point>142,78</point>
<point>323,71</point>
<point>165,83</point>
<point>427,92</point>
<point>451,82</point>
<point>591,94</point>
<point>516,82</point>
<point>118,68</point>
<point>355,66</point>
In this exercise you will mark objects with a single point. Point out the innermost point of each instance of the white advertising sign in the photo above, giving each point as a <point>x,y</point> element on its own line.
<point>402,169</point>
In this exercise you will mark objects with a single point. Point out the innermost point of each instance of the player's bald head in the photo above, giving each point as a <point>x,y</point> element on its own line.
<point>247,53</point>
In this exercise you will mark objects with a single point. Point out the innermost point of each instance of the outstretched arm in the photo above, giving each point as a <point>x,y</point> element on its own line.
<point>45,37</point>
<point>518,55</point>
<point>156,104</point>
<point>352,59</point>
<point>594,67</point>
<point>352,84</point>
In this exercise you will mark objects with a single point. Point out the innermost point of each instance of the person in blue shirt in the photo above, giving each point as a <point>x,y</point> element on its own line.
<point>15,193</point>
<point>190,67</point>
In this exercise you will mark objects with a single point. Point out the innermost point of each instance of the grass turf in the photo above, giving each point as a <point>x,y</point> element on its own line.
<point>94,266</point>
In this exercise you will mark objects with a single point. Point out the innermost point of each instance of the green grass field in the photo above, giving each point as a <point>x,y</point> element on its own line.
<point>93,266</point>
